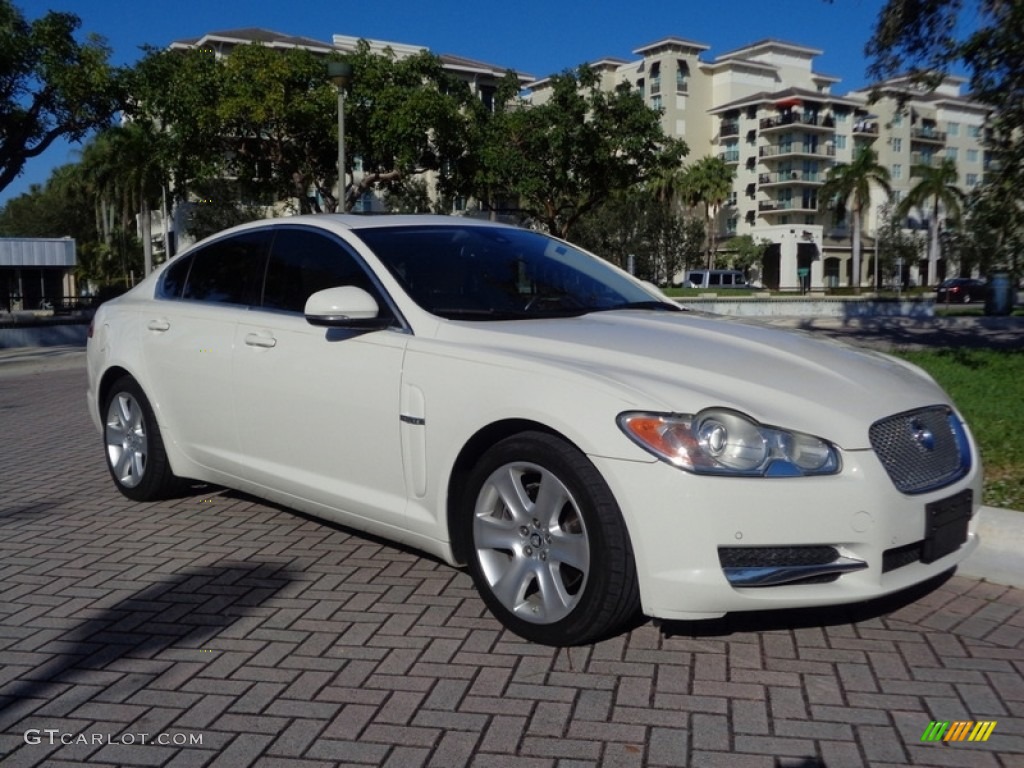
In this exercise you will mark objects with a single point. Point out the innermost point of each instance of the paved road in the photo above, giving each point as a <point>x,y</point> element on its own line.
<point>279,641</point>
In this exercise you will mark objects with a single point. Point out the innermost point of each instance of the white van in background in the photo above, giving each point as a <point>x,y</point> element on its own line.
<point>715,278</point>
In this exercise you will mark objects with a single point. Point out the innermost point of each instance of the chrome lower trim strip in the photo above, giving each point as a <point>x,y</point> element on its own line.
<point>774,575</point>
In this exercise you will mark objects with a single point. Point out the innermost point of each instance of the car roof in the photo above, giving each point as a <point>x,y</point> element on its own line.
<point>354,221</point>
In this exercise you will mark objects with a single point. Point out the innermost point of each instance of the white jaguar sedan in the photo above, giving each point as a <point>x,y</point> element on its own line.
<point>507,402</point>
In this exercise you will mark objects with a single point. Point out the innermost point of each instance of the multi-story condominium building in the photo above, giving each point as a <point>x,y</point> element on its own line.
<point>766,112</point>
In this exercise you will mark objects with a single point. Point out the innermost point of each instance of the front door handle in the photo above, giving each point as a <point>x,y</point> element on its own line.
<point>161,324</point>
<point>260,340</point>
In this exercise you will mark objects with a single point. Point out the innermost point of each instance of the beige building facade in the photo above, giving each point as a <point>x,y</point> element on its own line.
<point>769,115</point>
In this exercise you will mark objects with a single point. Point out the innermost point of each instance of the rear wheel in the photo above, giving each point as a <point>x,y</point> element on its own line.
<point>134,448</point>
<point>549,553</point>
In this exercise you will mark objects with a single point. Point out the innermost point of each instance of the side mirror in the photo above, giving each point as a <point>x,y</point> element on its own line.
<point>344,307</point>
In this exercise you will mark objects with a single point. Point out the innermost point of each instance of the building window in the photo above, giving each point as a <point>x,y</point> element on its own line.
<point>952,153</point>
<point>656,77</point>
<point>682,76</point>
<point>809,220</point>
<point>896,196</point>
<point>972,180</point>
<point>731,224</point>
<point>974,131</point>
<point>972,155</point>
<point>731,151</point>
<point>953,129</point>
<point>897,171</point>
<point>897,120</point>
<point>842,116</point>
<point>897,145</point>
<point>840,141</point>
<point>656,102</point>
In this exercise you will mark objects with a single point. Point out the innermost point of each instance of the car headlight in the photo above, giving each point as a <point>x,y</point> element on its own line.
<point>721,441</point>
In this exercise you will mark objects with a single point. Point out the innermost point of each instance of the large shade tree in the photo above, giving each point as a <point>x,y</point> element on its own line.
<point>849,186</point>
<point>405,117</point>
<point>566,156</point>
<point>52,86</point>
<point>276,114</point>
<point>935,195</point>
<point>176,94</point>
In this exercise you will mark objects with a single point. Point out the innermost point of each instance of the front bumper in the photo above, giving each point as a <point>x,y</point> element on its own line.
<point>680,522</point>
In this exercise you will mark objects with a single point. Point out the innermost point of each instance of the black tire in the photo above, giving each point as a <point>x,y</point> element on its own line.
<point>133,446</point>
<point>548,548</point>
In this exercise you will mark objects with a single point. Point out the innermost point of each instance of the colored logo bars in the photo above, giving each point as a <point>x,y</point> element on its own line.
<point>958,730</point>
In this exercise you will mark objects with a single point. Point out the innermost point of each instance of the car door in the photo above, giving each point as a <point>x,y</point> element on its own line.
<point>188,340</point>
<point>317,409</point>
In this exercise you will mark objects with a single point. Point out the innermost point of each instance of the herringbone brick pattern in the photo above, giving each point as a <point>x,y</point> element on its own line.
<point>279,641</point>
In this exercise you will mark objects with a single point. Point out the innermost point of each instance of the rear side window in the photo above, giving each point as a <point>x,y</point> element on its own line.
<point>173,282</point>
<point>303,262</point>
<point>228,271</point>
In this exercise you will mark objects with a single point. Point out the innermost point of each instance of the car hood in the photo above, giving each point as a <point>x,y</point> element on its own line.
<point>683,363</point>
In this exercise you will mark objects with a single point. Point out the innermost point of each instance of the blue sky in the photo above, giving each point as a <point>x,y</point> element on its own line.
<point>533,36</point>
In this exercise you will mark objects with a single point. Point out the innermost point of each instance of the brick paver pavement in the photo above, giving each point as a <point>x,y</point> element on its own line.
<point>276,640</point>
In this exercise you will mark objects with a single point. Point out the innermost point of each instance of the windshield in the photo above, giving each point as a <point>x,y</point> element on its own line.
<point>495,273</point>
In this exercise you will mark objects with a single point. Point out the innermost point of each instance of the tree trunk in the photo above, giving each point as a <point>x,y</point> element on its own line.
<point>855,245</point>
<point>933,246</point>
<point>147,237</point>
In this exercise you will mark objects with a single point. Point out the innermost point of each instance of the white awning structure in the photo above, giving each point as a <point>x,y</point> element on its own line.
<point>37,252</point>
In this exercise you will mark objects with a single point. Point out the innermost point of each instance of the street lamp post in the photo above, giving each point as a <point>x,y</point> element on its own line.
<point>340,73</point>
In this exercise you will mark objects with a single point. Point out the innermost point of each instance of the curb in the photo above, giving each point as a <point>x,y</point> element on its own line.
<point>1000,556</point>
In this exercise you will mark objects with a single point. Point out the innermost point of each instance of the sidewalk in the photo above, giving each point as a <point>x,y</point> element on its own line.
<point>31,360</point>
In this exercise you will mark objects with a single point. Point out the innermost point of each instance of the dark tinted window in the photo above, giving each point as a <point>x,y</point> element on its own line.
<point>173,282</point>
<point>498,273</point>
<point>303,262</point>
<point>228,271</point>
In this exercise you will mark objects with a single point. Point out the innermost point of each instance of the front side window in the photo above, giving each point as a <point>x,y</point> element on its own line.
<point>303,262</point>
<point>486,273</point>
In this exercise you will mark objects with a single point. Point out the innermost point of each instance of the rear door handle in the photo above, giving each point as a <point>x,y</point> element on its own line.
<point>260,340</point>
<point>162,324</point>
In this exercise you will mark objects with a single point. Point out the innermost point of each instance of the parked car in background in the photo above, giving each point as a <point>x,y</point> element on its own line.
<point>713,279</point>
<point>509,403</point>
<point>961,290</point>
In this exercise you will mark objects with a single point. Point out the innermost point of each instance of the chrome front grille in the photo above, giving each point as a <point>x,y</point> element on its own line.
<point>922,450</point>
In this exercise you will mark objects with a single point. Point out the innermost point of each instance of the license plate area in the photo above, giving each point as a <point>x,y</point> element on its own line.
<point>946,523</point>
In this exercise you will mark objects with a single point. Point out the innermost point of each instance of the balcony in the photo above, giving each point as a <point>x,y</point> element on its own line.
<point>928,135</point>
<point>927,158</point>
<point>730,128</point>
<point>796,148</point>
<point>772,207</point>
<point>729,156</point>
<point>865,129</point>
<point>791,177</point>
<point>826,123</point>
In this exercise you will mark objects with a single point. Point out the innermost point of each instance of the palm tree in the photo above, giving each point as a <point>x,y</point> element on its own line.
<point>709,182</point>
<point>141,178</point>
<point>850,184</point>
<point>937,190</point>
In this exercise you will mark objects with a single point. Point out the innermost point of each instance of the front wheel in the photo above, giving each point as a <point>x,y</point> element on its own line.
<point>135,450</point>
<point>550,553</point>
